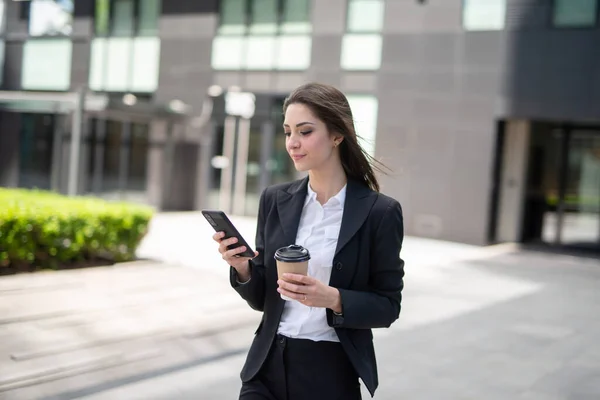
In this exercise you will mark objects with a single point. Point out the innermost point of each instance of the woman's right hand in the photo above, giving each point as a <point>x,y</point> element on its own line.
<point>231,256</point>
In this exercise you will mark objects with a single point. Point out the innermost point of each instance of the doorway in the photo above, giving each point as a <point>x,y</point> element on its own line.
<point>117,160</point>
<point>562,202</point>
<point>36,151</point>
<point>248,156</point>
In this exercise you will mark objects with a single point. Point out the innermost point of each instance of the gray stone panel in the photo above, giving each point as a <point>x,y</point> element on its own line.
<point>226,79</point>
<point>188,26</point>
<point>259,82</point>
<point>410,16</point>
<point>359,82</point>
<point>14,25</point>
<point>185,71</point>
<point>80,61</point>
<point>326,53</point>
<point>328,17</point>
<point>285,82</point>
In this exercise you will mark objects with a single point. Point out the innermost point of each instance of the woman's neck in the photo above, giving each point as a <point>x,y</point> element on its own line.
<point>327,183</point>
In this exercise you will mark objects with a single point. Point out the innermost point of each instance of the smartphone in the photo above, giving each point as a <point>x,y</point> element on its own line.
<point>219,221</point>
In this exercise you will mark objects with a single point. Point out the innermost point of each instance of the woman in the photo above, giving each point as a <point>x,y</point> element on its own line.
<point>318,344</point>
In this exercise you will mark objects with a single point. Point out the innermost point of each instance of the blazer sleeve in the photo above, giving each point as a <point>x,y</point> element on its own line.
<point>253,291</point>
<point>380,306</point>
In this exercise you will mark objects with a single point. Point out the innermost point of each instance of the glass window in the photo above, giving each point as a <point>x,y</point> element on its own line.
<point>484,15</point>
<point>97,63</point>
<point>361,52</point>
<point>260,51</point>
<point>264,16</point>
<point>123,17</point>
<point>233,17</point>
<point>575,12</point>
<point>145,64</point>
<point>364,112</point>
<point>365,15</point>
<point>296,16</point>
<point>149,11</point>
<point>50,17</point>
<point>228,52</point>
<point>47,64</point>
<point>118,65</point>
<point>293,52</point>
<point>102,17</point>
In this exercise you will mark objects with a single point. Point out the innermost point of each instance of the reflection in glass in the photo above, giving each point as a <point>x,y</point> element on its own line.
<point>148,17</point>
<point>486,15</point>
<point>264,17</point>
<point>102,17</point>
<point>35,151</point>
<point>296,16</point>
<point>361,51</point>
<point>233,17</point>
<point>138,162</point>
<point>581,217</point>
<point>123,17</point>
<point>575,12</point>
<point>50,17</point>
<point>365,15</point>
<point>117,166</point>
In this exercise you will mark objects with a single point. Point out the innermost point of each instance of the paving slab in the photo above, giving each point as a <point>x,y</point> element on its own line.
<point>477,323</point>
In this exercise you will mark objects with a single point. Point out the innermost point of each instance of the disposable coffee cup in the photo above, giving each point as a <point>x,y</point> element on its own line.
<point>292,259</point>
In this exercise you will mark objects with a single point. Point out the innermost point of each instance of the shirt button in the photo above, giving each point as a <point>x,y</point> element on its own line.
<point>338,265</point>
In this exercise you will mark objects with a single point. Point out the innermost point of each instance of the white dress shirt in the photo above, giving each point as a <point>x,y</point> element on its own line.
<point>318,231</point>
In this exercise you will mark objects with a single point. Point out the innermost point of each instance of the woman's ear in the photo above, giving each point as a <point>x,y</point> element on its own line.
<point>337,140</point>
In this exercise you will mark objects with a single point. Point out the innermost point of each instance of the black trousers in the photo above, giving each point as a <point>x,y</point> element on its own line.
<point>300,369</point>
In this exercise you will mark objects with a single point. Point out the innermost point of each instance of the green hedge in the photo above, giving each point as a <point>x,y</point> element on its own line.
<point>41,229</point>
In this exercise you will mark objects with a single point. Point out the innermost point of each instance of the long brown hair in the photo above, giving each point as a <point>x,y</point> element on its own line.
<point>331,106</point>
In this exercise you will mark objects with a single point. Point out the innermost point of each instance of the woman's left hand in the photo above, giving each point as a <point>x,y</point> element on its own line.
<point>310,291</point>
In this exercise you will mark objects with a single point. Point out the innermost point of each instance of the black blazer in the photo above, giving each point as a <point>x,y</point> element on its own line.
<point>367,270</point>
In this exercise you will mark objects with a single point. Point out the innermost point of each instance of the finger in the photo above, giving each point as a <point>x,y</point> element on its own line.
<point>304,279</point>
<point>234,252</point>
<point>218,236</point>
<point>292,287</point>
<point>291,295</point>
<point>226,243</point>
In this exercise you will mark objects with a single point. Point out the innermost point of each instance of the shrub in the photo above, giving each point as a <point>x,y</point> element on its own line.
<point>41,229</point>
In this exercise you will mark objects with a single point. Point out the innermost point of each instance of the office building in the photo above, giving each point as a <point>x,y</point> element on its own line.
<point>487,112</point>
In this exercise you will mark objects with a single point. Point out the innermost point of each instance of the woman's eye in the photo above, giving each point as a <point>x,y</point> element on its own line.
<point>306,132</point>
<point>287,133</point>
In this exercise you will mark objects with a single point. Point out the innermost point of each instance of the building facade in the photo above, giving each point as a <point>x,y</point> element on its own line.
<point>487,112</point>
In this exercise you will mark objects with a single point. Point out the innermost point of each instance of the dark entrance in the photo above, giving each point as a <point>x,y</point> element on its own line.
<point>562,203</point>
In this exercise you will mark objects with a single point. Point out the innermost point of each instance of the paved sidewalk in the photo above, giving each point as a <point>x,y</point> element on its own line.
<point>477,323</point>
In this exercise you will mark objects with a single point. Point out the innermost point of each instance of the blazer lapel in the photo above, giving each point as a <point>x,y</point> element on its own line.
<point>289,208</point>
<point>359,200</point>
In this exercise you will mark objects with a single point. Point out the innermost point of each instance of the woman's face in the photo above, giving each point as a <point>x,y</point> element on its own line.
<point>308,141</point>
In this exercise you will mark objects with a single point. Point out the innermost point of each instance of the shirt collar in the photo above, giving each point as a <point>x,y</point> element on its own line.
<point>339,198</point>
